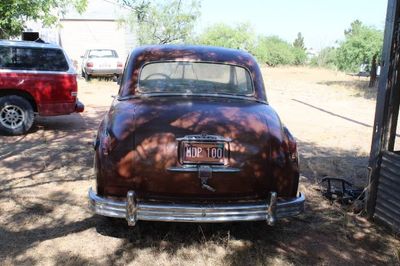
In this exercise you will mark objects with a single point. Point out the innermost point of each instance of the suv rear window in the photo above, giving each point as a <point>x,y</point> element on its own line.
<point>26,58</point>
<point>195,77</point>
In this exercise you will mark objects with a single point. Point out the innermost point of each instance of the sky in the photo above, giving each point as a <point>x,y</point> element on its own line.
<point>322,22</point>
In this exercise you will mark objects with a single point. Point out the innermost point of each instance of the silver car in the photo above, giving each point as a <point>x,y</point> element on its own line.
<point>101,63</point>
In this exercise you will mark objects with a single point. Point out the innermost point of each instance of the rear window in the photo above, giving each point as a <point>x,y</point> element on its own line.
<point>194,77</point>
<point>26,58</point>
<point>102,53</point>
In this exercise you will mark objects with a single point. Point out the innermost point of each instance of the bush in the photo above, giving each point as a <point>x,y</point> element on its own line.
<point>325,58</point>
<point>300,56</point>
<point>274,51</point>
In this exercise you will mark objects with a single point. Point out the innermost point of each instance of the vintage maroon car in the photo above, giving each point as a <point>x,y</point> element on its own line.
<point>191,138</point>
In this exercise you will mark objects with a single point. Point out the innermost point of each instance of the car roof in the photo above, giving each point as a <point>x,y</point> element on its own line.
<point>194,52</point>
<point>30,44</point>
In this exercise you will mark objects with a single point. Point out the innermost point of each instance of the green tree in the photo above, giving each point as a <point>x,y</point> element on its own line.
<point>241,36</point>
<point>274,51</point>
<point>299,41</point>
<point>354,29</point>
<point>15,13</point>
<point>360,45</point>
<point>139,7</point>
<point>164,22</point>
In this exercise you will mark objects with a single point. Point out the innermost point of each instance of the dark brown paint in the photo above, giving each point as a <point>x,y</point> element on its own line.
<point>137,140</point>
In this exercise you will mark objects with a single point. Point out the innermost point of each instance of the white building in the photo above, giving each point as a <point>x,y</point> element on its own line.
<point>98,27</point>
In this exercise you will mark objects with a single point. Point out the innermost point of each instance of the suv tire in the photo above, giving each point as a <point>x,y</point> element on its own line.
<point>87,76</point>
<point>16,115</point>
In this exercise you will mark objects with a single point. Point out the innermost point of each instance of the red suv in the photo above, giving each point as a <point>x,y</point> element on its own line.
<point>35,78</point>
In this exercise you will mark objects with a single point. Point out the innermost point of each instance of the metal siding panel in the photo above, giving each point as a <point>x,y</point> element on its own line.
<point>392,208</point>
<point>383,188</point>
<point>381,212</point>
<point>388,197</point>
<point>391,163</point>
<point>390,177</point>
<point>390,166</point>
<point>389,220</point>
<point>390,185</point>
<point>391,156</point>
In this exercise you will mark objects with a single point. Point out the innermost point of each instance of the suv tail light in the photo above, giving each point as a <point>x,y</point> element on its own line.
<point>89,64</point>
<point>119,64</point>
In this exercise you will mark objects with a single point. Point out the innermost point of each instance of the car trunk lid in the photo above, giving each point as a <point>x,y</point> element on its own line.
<point>161,126</point>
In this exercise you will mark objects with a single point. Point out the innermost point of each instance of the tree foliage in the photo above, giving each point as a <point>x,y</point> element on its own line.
<point>360,45</point>
<point>139,8</point>
<point>164,22</point>
<point>270,50</point>
<point>299,41</point>
<point>241,36</point>
<point>15,13</point>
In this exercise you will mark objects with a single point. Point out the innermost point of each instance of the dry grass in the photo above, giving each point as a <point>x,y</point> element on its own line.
<point>45,176</point>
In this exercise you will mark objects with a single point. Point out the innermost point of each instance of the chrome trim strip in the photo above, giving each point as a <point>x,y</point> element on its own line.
<point>204,137</point>
<point>134,210</point>
<point>229,96</point>
<point>70,71</point>
<point>197,61</point>
<point>215,169</point>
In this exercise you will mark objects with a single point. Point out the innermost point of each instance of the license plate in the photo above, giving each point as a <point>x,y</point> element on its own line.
<point>203,152</point>
<point>105,65</point>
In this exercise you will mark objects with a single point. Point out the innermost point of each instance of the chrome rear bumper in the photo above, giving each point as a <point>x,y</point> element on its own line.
<point>133,210</point>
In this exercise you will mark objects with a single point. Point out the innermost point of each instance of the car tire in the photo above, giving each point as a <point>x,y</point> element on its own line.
<point>87,76</point>
<point>16,115</point>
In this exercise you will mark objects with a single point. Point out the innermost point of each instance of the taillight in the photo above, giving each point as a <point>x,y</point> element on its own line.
<point>89,64</point>
<point>291,146</point>
<point>119,64</point>
<point>107,143</point>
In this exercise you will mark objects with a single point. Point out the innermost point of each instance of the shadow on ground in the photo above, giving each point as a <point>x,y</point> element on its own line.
<point>55,144</point>
<point>42,207</point>
<point>360,86</point>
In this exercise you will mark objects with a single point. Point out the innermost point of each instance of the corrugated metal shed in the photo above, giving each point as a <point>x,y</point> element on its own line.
<point>383,199</point>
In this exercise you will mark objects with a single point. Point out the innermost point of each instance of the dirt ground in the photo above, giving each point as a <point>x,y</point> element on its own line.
<point>45,175</point>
